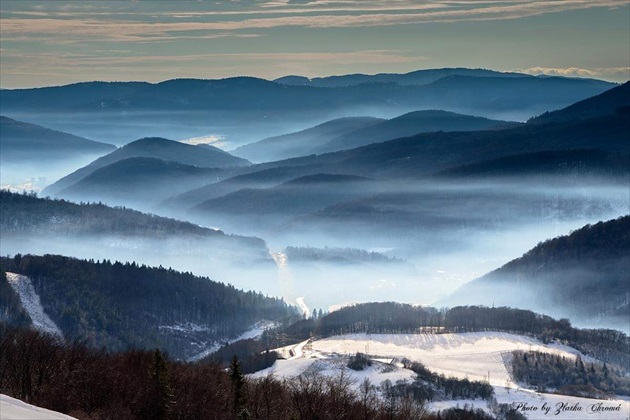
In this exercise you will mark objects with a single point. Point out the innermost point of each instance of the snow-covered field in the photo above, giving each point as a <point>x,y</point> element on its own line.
<point>14,409</point>
<point>32,304</point>
<point>467,355</point>
<point>482,356</point>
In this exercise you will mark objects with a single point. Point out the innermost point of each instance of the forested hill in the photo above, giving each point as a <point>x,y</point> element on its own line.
<point>31,225</point>
<point>26,213</point>
<point>396,318</point>
<point>609,102</point>
<point>582,276</point>
<point>24,140</point>
<point>120,306</point>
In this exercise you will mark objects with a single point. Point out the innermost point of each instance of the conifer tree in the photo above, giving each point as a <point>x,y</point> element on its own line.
<point>238,382</point>
<point>162,394</point>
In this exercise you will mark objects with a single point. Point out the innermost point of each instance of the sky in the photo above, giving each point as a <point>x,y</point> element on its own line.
<point>49,42</point>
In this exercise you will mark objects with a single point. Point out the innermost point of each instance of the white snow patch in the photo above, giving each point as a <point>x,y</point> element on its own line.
<point>338,306</point>
<point>185,327</point>
<point>332,366</point>
<point>302,306</point>
<point>255,331</point>
<point>14,409</point>
<point>32,304</point>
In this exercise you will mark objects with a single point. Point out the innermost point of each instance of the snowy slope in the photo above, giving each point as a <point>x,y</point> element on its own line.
<point>254,331</point>
<point>14,409</point>
<point>468,355</point>
<point>32,304</point>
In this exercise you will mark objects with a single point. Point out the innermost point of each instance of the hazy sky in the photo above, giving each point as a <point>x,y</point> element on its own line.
<point>57,42</point>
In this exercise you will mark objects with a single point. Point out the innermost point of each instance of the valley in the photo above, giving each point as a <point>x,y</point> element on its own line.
<point>437,229</point>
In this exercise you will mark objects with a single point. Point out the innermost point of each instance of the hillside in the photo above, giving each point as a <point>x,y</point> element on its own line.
<point>430,152</point>
<point>302,142</point>
<point>138,182</point>
<point>582,276</point>
<point>577,164</point>
<point>263,178</point>
<point>352,133</point>
<point>132,385</point>
<point>409,124</point>
<point>21,140</point>
<point>449,349</point>
<point>157,148</point>
<point>31,224</point>
<point>264,208</point>
<point>16,409</point>
<point>121,306</point>
<point>607,103</point>
<point>448,370</point>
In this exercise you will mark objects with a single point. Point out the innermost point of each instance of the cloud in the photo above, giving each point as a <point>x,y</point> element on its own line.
<point>612,73</point>
<point>211,139</point>
<point>97,60</point>
<point>26,69</point>
<point>169,25</point>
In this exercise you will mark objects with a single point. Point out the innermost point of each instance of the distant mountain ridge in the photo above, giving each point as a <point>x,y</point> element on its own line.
<point>140,180</point>
<point>418,77</point>
<point>343,134</point>
<point>299,196</point>
<point>302,142</point>
<point>158,148</point>
<point>23,140</point>
<point>195,105</point>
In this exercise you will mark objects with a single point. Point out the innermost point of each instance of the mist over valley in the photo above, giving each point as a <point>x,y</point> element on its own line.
<point>479,217</point>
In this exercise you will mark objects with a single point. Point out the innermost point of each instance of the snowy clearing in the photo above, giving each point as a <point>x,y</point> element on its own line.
<point>14,409</point>
<point>474,356</point>
<point>32,304</point>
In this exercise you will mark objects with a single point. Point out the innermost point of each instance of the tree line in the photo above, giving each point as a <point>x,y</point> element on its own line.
<point>396,318</point>
<point>570,377</point>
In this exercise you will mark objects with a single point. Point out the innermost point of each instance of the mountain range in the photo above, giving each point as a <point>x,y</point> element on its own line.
<point>350,133</point>
<point>245,109</point>
<point>418,77</point>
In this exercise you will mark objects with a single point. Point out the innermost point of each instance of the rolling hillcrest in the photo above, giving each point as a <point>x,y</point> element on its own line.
<point>185,108</point>
<point>319,140</point>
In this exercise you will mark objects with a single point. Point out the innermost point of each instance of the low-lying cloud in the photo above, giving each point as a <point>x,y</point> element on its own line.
<point>616,73</point>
